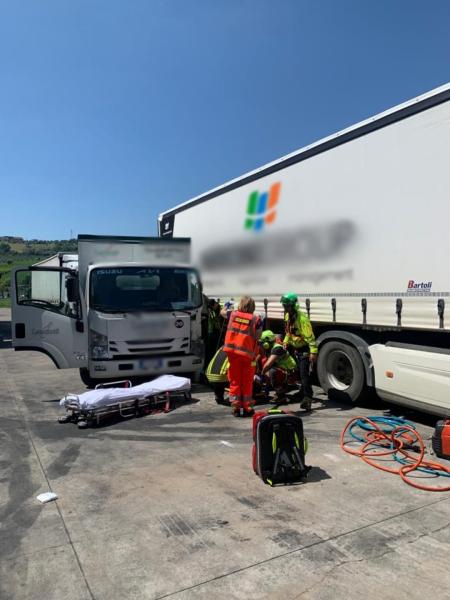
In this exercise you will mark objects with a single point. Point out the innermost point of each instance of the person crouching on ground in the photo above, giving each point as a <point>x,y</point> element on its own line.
<point>217,375</point>
<point>241,345</point>
<point>278,364</point>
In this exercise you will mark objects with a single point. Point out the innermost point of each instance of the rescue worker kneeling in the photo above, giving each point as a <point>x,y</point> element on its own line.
<point>217,375</point>
<point>278,365</point>
<point>241,346</point>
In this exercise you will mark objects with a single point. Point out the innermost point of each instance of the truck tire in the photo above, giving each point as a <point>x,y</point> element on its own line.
<point>87,379</point>
<point>341,372</point>
<point>194,376</point>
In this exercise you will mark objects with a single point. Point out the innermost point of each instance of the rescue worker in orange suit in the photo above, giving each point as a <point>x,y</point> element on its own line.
<point>241,346</point>
<point>299,335</point>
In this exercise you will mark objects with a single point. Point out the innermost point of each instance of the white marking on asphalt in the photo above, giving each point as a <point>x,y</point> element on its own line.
<point>332,457</point>
<point>225,443</point>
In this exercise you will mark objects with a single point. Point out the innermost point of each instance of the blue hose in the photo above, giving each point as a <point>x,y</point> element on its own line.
<point>387,425</point>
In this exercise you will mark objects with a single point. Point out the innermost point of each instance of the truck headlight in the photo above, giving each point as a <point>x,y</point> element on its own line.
<point>98,345</point>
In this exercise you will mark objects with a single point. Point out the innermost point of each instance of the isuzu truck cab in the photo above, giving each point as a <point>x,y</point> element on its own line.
<point>124,307</point>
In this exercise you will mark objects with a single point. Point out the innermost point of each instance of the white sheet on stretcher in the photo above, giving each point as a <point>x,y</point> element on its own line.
<point>108,396</point>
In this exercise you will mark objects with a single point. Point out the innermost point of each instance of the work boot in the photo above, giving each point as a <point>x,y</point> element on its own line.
<point>236,409</point>
<point>280,397</point>
<point>306,404</point>
<point>248,410</point>
<point>222,400</point>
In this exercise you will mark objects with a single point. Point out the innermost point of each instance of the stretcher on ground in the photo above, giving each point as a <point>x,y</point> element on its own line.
<point>121,399</point>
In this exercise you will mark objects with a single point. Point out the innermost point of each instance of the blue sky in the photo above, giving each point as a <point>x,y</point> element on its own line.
<point>112,111</point>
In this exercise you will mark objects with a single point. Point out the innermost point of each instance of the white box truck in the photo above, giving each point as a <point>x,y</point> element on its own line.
<point>357,225</point>
<point>44,286</point>
<point>123,307</point>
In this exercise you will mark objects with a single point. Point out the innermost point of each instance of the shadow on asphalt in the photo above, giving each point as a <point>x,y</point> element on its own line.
<point>394,410</point>
<point>377,404</point>
<point>317,474</point>
<point>387,409</point>
<point>5,334</point>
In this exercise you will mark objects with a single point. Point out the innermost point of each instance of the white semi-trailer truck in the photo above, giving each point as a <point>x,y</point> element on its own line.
<point>123,307</point>
<point>357,225</point>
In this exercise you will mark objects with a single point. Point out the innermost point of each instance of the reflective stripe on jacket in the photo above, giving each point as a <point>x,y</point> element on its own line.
<point>300,333</point>
<point>213,321</point>
<point>241,337</point>
<point>217,370</point>
<point>286,361</point>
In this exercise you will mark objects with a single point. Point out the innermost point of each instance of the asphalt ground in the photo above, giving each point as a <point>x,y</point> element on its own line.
<point>167,506</point>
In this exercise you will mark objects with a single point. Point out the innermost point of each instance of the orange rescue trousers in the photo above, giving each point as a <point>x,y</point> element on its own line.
<point>240,374</point>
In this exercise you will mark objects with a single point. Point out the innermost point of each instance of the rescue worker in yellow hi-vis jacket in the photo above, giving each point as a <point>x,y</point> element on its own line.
<point>217,375</point>
<point>299,336</point>
<point>277,365</point>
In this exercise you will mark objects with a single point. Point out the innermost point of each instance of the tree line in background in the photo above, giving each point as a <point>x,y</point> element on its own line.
<point>15,246</point>
<point>17,252</point>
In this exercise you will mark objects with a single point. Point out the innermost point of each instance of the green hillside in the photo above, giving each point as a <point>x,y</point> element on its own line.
<point>16,252</point>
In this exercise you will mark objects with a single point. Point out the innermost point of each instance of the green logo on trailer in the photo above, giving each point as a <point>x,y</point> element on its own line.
<point>261,208</point>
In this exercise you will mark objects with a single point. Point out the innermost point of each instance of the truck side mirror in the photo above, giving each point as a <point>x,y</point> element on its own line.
<point>72,289</point>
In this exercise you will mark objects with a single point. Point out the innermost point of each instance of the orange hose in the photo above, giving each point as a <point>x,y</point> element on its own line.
<point>390,444</point>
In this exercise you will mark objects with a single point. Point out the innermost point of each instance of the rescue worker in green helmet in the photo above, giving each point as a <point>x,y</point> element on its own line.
<point>299,335</point>
<point>278,364</point>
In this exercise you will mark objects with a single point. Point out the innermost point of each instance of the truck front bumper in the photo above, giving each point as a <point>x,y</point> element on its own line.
<point>141,367</point>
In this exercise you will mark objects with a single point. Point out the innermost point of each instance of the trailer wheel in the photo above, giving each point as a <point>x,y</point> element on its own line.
<point>87,379</point>
<point>341,372</point>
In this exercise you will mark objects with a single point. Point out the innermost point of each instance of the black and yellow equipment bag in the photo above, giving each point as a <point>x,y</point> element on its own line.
<point>279,447</point>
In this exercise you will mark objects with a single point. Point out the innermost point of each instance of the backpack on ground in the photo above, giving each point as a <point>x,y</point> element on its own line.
<point>279,447</point>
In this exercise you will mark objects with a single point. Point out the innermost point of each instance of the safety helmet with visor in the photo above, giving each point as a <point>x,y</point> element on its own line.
<point>267,339</point>
<point>289,299</point>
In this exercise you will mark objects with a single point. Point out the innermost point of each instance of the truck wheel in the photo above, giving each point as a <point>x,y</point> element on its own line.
<point>341,372</point>
<point>87,379</point>
<point>194,376</point>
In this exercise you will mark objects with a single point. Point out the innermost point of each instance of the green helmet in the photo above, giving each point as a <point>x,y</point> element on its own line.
<point>267,339</point>
<point>289,298</point>
<point>267,336</point>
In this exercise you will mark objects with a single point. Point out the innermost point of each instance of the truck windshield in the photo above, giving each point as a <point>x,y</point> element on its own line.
<point>131,289</point>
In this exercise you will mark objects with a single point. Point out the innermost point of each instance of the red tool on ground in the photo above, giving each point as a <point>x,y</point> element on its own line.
<point>441,439</point>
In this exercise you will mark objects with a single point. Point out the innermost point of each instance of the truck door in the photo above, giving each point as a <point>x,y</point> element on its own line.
<point>49,315</point>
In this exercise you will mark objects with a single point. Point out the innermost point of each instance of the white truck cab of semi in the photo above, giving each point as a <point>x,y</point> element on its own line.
<point>124,307</point>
